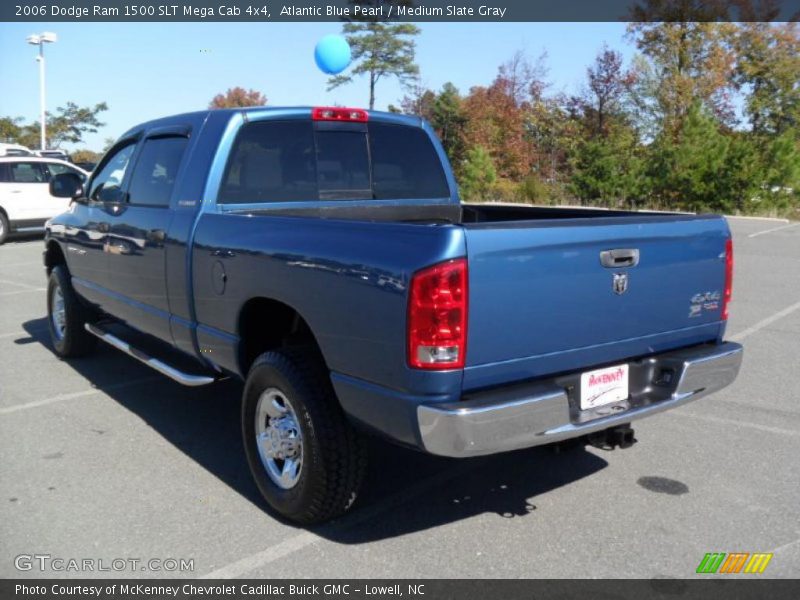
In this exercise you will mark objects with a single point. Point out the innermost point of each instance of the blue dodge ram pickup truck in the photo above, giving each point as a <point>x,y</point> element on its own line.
<point>322,255</point>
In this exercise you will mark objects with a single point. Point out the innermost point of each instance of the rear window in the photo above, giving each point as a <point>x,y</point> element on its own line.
<point>289,161</point>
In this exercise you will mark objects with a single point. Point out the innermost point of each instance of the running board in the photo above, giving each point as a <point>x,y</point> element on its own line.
<point>153,363</point>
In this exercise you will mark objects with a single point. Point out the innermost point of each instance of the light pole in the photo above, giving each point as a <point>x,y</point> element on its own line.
<point>40,40</point>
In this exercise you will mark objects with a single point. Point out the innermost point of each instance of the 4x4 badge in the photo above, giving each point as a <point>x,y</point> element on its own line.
<point>620,283</point>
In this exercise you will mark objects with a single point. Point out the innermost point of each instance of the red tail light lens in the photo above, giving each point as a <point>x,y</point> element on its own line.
<point>437,316</point>
<point>336,113</point>
<point>726,297</point>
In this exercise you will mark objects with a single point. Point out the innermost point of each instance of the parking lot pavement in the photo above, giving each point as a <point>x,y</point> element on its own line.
<point>103,459</point>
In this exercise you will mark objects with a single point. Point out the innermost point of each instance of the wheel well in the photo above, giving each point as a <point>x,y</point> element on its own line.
<point>53,256</point>
<point>266,324</point>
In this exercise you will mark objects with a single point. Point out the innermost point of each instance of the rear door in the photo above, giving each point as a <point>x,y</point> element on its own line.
<point>553,296</point>
<point>137,235</point>
<point>26,193</point>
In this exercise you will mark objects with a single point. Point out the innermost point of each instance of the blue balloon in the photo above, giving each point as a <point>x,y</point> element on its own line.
<point>332,54</point>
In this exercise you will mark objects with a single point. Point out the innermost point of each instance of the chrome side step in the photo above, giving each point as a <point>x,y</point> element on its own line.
<point>153,363</point>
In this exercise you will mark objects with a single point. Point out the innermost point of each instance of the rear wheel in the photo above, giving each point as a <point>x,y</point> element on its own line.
<point>67,317</point>
<point>306,459</point>
<point>4,227</point>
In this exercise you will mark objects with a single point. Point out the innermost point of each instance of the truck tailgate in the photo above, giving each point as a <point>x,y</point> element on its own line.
<point>541,301</point>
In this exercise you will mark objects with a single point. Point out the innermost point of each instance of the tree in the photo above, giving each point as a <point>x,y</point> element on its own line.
<point>10,129</point>
<point>418,101</point>
<point>85,155</point>
<point>478,175</point>
<point>769,66</point>
<point>379,50</point>
<point>238,97</point>
<point>68,125</point>
<point>607,83</point>
<point>524,81</point>
<point>689,59</point>
<point>608,169</point>
<point>445,112</point>
<point>72,122</point>
<point>686,168</point>
<point>449,121</point>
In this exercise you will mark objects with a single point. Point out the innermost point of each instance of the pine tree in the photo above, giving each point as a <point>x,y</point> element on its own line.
<point>379,50</point>
<point>478,175</point>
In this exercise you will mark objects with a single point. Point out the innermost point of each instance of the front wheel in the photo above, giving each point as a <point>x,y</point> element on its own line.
<point>306,459</point>
<point>4,228</point>
<point>67,317</point>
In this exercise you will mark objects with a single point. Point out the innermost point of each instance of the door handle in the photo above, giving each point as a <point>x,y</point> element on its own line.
<point>223,253</point>
<point>103,227</point>
<point>619,257</point>
<point>156,235</point>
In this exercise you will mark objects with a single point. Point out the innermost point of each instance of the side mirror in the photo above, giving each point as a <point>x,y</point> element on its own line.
<point>66,185</point>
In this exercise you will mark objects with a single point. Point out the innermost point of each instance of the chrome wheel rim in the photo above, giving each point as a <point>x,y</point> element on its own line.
<point>279,439</point>
<point>58,314</point>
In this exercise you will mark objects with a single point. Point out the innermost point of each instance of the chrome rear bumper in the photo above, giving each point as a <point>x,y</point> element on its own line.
<point>534,414</point>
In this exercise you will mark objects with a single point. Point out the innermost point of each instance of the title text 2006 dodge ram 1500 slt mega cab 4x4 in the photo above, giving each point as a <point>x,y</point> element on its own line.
<point>322,255</point>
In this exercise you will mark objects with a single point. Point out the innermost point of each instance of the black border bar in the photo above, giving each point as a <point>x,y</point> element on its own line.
<point>397,10</point>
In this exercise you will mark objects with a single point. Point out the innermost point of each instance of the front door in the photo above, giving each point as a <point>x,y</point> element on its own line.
<point>86,241</point>
<point>137,235</point>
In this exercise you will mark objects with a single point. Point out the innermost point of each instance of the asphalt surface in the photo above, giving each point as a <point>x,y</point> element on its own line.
<point>104,459</point>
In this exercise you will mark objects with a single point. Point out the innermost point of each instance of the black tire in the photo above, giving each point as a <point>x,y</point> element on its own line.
<point>333,457</point>
<point>72,339</point>
<point>4,228</point>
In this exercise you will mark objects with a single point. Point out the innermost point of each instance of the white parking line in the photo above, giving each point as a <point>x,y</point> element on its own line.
<point>736,337</point>
<point>18,284</point>
<point>307,538</point>
<point>776,219</point>
<point>27,263</point>
<point>782,227</point>
<point>72,396</point>
<point>785,546</point>
<point>21,332</point>
<point>16,292</point>
<point>724,421</point>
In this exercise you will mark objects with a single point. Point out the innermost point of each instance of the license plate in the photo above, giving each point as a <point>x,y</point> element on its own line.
<point>604,386</point>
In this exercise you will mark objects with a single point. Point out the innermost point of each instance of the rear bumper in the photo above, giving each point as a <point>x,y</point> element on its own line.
<point>528,415</point>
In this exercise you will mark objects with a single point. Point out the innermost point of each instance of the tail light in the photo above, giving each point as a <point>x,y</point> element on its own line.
<point>336,113</point>
<point>437,316</point>
<point>726,296</point>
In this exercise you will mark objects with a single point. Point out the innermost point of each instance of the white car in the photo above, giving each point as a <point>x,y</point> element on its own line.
<point>15,150</point>
<point>25,200</point>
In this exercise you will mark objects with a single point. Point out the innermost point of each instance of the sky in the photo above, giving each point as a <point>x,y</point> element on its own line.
<point>149,70</point>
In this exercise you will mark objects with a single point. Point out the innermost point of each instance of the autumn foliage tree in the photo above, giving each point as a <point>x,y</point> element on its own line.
<point>238,97</point>
<point>706,116</point>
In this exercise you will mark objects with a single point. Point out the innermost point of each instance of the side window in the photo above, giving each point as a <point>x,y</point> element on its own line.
<point>54,169</point>
<point>271,161</point>
<point>106,185</point>
<point>27,172</point>
<point>153,176</point>
<point>5,174</point>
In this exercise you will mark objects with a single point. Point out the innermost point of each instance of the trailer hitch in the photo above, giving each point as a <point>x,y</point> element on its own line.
<point>620,436</point>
